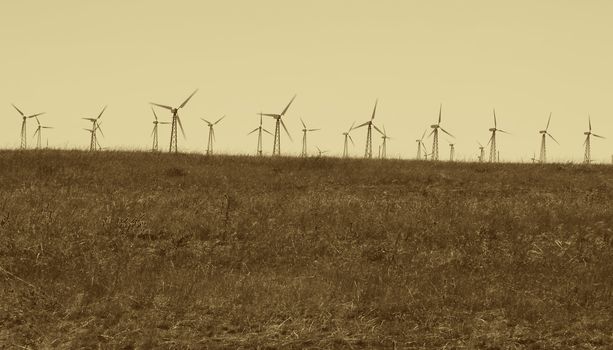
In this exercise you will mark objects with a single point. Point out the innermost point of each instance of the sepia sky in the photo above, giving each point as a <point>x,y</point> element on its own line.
<point>525,58</point>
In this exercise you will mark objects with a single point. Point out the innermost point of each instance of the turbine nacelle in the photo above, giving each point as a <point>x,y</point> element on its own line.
<point>493,129</point>
<point>434,126</point>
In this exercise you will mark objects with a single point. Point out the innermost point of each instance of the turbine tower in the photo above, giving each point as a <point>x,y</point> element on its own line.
<point>588,148</point>
<point>451,152</point>
<point>370,124</point>
<point>533,159</point>
<point>154,133</point>
<point>384,137</point>
<point>304,138</point>
<point>492,141</point>
<point>346,145</point>
<point>175,121</point>
<point>276,147</point>
<point>38,133</point>
<point>94,139</point>
<point>545,133</point>
<point>421,145</point>
<point>24,135</point>
<point>93,142</point>
<point>209,146</point>
<point>259,129</point>
<point>435,128</point>
<point>481,152</point>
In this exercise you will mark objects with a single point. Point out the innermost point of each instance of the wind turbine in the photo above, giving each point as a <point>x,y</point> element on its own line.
<point>492,141</point>
<point>93,142</point>
<point>346,145</point>
<point>24,135</point>
<point>209,146</point>
<point>481,152</point>
<point>370,124</point>
<point>304,138</point>
<point>320,152</point>
<point>276,147</point>
<point>451,152</point>
<point>435,128</point>
<point>544,134</point>
<point>384,137</point>
<point>588,149</point>
<point>175,120</point>
<point>38,133</point>
<point>259,129</point>
<point>420,144</point>
<point>533,159</point>
<point>154,133</point>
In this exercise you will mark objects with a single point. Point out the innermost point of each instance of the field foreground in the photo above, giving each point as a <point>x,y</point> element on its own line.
<point>136,250</point>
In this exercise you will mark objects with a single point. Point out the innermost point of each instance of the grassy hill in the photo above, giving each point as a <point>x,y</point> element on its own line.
<point>138,250</point>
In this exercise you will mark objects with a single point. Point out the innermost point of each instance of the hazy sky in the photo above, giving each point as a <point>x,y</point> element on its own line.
<point>525,58</point>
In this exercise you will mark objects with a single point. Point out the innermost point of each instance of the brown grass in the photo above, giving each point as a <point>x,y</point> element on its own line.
<point>136,250</point>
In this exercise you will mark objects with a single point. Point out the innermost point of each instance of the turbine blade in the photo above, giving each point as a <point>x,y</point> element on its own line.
<point>313,129</point>
<point>374,110</point>
<point>553,138</point>
<point>491,138</point>
<point>548,121</point>
<point>502,131</point>
<point>422,136</point>
<point>218,120</point>
<point>187,100</point>
<point>440,113</point>
<point>380,132</point>
<point>361,125</point>
<point>270,115</point>
<point>100,115</point>
<point>287,132</point>
<point>495,123</point>
<point>206,121</point>
<point>445,131</point>
<point>154,114</point>
<point>18,110</point>
<point>302,121</point>
<point>161,106</point>
<point>352,124</point>
<point>252,131</point>
<point>36,115</point>
<point>153,131</point>
<point>181,126</point>
<point>287,107</point>
<point>589,118</point>
<point>600,137</point>
<point>98,128</point>
<point>268,132</point>
<point>350,139</point>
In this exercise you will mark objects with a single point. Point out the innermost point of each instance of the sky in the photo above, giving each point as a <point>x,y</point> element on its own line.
<point>526,59</point>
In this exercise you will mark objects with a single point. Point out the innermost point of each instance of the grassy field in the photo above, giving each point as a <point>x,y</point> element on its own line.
<point>137,250</point>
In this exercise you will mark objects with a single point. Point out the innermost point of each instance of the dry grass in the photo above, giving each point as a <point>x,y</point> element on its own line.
<point>135,250</point>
